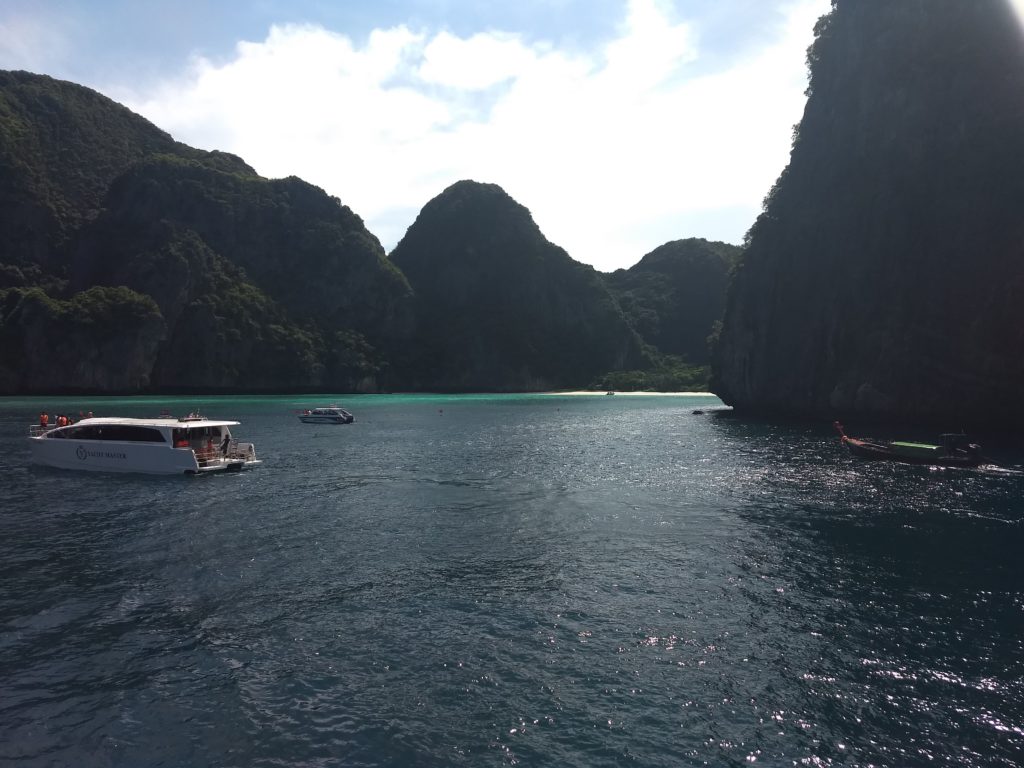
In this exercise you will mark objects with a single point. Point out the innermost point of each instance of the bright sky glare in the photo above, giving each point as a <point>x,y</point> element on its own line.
<point>620,124</point>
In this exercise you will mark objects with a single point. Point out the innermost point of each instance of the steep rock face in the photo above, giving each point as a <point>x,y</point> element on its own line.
<point>102,340</point>
<point>61,145</point>
<point>257,284</point>
<point>498,306</point>
<point>885,277</point>
<point>263,284</point>
<point>675,294</point>
<point>300,246</point>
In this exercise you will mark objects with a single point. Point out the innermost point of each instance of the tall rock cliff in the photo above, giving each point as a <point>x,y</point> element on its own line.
<point>498,306</point>
<point>153,265</point>
<point>675,294</point>
<point>101,340</point>
<point>255,278</point>
<point>61,145</point>
<point>885,277</point>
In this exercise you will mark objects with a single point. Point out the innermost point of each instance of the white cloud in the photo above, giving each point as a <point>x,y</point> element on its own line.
<point>1018,8</point>
<point>476,63</point>
<point>606,149</point>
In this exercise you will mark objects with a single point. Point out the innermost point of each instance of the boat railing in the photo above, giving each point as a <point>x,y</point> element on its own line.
<point>205,456</point>
<point>35,430</point>
<point>236,451</point>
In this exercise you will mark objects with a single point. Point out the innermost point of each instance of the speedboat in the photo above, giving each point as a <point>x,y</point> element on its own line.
<point>954,450</point>
<point>190,445</point>
<point>331,414</point>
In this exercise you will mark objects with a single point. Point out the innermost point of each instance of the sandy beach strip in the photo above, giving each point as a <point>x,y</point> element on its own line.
<point>581,393</point>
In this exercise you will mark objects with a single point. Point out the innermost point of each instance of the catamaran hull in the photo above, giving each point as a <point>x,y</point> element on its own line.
<point>127,457</point>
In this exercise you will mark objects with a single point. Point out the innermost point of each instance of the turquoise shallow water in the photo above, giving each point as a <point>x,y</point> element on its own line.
<point>498,580</point>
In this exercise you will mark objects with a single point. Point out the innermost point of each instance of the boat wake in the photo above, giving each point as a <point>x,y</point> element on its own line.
<point>996,469</point>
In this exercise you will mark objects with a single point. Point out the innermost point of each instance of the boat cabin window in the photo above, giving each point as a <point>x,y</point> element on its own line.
<point>183,437</point>
<point>127,433</point>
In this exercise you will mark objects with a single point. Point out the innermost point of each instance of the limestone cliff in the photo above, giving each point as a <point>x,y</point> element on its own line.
<point>61,145</point>
<point>885,277</point>
<point>102,340</point>
<point>498,306</point>
<point>132,262</point>
<point>675,294</point>
<point>264,285</point>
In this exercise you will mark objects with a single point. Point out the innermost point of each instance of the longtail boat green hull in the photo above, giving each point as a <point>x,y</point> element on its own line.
<point>954,451</point>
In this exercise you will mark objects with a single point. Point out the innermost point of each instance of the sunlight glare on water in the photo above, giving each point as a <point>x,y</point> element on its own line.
<point>496,580</point>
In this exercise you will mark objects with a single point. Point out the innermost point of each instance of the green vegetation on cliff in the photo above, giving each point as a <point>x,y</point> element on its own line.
<point>665,374</point>
<point>258,284</point>
<point>102,339</point>
<point>498,306</point>
<point>61,145</point>
<point>675,294</point>
<point>298,244</point>
<point>264,284</point>
<point>131,262</point>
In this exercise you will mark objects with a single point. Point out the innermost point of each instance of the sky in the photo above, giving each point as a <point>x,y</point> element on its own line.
<point>620,124</point>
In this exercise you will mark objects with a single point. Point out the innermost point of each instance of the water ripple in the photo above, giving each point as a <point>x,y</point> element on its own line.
<point>532,581</point>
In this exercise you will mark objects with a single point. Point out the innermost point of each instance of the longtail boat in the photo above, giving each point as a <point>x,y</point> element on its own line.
<point>953,451</point>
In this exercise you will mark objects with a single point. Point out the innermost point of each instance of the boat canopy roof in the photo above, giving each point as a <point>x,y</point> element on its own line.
<point>188,423</point>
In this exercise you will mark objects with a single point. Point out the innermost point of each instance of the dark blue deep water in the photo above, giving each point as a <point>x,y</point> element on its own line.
<point>488,581</point>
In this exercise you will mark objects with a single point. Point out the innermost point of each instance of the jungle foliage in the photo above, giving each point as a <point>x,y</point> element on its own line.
<point>675,294</point>
<point>505,308</point>
<point>152,266</point>
<point>667,373</point>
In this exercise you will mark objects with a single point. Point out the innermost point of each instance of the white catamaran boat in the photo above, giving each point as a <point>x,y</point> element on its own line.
<point>190,445</point>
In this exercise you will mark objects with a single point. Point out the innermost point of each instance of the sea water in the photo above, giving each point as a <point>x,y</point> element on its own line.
<point>501,580</point>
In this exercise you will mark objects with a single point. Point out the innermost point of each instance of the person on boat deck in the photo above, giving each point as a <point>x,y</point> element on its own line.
<point>44,419</point>
<point>209,445</point>
<point>225,443</point>
<point>62,420</point>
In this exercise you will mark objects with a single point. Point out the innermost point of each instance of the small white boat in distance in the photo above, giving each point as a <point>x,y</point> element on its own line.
<point>326,415</point>
<point>191,445</point>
